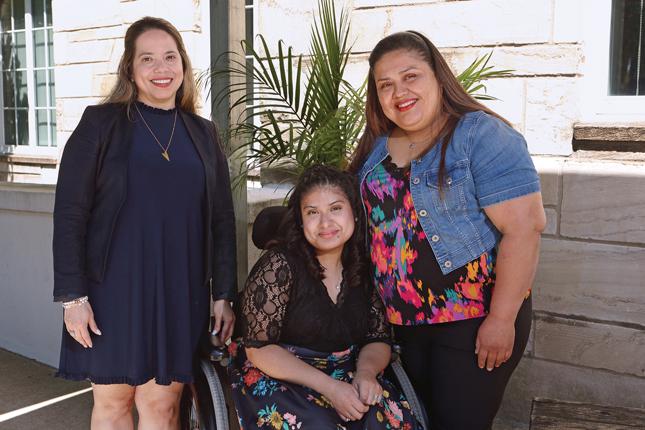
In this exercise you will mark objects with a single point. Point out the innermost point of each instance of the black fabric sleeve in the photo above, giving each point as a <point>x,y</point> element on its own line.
<point>265,300</point>
<point>72,207</point>
<point>224,269</point>
<point>378,329</point>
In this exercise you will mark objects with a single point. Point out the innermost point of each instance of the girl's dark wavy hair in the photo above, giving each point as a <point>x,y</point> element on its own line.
<point>292,236</point>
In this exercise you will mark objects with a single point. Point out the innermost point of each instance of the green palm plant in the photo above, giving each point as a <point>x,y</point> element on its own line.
<point>301,110</point>
<point>471,79</point>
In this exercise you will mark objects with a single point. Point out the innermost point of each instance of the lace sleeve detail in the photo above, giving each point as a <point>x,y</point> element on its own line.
<point>265,299</point>
<point>378,329</point>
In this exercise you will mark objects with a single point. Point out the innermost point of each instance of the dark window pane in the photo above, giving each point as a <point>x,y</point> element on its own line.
<point>20,50</point>
<point>39,49</point>
<point>641,69</point>
<point>5,15</point>
<point>52,92</point>
<point>21,84</point>
<point>7,42</point>
<point>9,89</point>
<point>9,127</point>
<point>42,127</point>
<point>23,127</point>
<point>50,48</point>
<point>52,126</point>
<point>40,80</point>
<point>38,12</point>
<point>48,7</point>
<point>626,46</point>
<point>18,14</point>
<point>249,27</point>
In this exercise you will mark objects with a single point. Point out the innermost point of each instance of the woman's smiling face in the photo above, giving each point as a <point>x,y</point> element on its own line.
<point>408,90</point>
<point>327,218</point>
<point>157,69</point>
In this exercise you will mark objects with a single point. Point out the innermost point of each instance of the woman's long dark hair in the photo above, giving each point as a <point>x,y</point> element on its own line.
<point>125,90</point>
<point>292,236</point>
<point>455,101</point>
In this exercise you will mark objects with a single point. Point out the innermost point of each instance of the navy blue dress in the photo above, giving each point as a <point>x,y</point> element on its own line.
<point>152,305</point>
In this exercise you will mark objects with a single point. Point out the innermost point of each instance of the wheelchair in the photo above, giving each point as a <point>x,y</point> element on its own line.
<point>207,402</point>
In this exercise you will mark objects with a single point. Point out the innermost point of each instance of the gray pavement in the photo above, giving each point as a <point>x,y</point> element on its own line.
<point>24,382</point>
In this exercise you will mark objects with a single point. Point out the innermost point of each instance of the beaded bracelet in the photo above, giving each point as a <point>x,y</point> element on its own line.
<point>75,302</point>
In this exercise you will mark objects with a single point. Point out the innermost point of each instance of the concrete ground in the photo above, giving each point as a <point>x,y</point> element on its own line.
<point>25,382</point>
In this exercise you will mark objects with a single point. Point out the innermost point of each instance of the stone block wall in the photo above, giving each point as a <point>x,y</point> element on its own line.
<point>588,340</point>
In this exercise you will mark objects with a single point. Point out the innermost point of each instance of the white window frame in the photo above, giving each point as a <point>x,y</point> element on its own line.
<point>30,148</point>
<point>598,105</point>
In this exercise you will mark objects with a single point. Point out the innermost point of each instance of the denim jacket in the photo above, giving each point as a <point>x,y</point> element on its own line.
<point>487,162</point>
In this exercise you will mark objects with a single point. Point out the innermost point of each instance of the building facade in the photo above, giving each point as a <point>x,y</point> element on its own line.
<point>576,92</point>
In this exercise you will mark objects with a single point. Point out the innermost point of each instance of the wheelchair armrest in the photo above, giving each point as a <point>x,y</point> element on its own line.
<point>213,351</point>
<point>396,352</point>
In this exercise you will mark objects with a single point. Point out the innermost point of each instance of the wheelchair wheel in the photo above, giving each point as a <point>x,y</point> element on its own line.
<point>196,408</point>
<point>203,406</point>
<point>410,394</point>
<point>216,391</point>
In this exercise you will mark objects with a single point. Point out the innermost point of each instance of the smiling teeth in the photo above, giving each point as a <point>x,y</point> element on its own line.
<point>406,104</point>
<point>161,81</point>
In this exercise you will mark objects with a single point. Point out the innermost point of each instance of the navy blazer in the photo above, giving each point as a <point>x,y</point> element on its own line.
<point>92,187</point>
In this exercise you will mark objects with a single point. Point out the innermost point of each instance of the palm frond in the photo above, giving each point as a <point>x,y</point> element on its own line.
<point>303,112</point>
<point>472,77</point>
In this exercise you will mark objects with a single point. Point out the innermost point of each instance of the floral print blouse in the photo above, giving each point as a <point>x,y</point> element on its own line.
<point>404,268</point>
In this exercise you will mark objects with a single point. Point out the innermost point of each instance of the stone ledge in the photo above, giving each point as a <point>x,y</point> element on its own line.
<point>610,132</point>
<point>43,160</point>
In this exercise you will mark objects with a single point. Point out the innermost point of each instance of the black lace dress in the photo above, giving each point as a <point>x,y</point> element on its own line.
<point>282,304</point>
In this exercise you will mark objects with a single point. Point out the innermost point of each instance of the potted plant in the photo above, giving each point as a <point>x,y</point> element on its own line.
<point>301,110</point>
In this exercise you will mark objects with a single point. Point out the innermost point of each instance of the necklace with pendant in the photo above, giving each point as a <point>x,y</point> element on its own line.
<point>164,152</point>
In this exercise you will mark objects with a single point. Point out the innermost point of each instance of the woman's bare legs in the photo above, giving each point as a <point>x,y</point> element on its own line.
<point>158,405</point>
<point>112,407</point>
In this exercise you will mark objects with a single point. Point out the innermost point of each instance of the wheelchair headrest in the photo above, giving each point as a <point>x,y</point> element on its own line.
<point>266,225</point>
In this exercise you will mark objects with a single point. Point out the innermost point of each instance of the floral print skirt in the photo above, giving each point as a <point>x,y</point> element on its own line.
<point>266,403</point>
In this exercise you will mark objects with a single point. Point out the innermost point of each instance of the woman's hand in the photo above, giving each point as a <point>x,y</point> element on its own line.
<point>494,344</point>
<point>77,319</point>
<point>369,390</point>
<point>344,398</point>
<point>224,319</point>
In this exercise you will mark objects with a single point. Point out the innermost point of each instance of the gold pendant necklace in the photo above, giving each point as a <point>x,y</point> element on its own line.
<point>164,152</point>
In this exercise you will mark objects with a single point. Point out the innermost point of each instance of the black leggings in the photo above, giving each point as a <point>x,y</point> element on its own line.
<point>441,363</point>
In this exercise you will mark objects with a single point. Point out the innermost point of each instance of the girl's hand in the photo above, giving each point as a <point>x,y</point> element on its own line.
<point>369,390</point>
<point>344,398</point>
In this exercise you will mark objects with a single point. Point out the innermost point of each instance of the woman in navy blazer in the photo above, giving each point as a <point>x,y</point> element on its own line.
<point>143,229</point>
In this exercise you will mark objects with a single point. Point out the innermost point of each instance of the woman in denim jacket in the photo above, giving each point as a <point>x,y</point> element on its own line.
<point>454,216</point>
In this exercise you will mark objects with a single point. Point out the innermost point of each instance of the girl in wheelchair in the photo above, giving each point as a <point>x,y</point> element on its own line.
<point>314,336</point>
